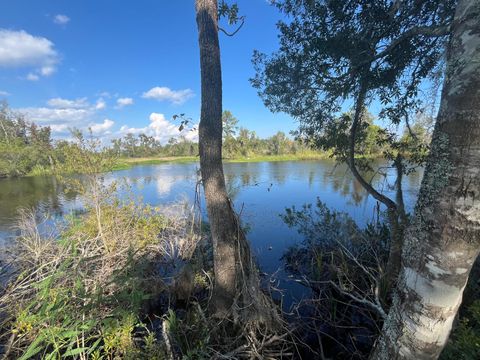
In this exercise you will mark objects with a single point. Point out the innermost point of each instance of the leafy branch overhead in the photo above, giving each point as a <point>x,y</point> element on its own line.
<point>330,50</point>
<point>184,121</point>
<point>230,12</point>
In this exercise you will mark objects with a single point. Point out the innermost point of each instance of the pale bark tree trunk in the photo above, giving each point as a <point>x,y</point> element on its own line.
<point>236,277</point>
<point>443,240</point>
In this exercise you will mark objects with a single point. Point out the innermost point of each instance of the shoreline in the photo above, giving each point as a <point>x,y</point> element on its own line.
<point>126,163</point>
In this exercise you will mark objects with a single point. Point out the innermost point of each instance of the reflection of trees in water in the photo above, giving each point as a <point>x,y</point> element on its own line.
<point>340,179</point>
<point>246,178</point>
<point>234,183</point>
<point>311,178</point>
<point>43,193</point>
<point>46,194</point>
<point>278,171</point>
<point>383,178</point>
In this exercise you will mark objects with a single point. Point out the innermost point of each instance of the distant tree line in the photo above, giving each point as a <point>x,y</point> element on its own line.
<point>23,145</point>
<point>239,141</point>
<point>26,148</point>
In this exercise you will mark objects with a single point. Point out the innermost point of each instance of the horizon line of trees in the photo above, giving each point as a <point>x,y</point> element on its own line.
<point>27,148</point>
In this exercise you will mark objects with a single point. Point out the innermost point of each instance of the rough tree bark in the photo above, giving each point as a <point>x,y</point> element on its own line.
<point>236,277</point>
<point>443,240</point>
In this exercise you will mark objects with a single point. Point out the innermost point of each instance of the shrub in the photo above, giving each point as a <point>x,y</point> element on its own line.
<point>79,294</point>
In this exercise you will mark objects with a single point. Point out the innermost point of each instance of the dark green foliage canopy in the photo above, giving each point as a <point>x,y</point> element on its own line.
<point>337,53</point>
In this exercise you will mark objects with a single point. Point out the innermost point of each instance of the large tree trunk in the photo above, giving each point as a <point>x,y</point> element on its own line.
<point>223,224</point>
<point>236,289</point>
<point>443,240</point>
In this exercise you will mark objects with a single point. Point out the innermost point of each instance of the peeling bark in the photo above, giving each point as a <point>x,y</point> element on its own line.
<point>443,240</point>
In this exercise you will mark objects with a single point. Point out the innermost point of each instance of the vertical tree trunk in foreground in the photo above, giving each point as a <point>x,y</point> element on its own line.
<point>236,287</point>
<point>443,240</point>
<point>223,224</point>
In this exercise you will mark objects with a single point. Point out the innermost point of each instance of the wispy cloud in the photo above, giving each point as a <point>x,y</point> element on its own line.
<point>61,19</point>
<point>64,114</point>
<point>176,97</point>
<point>32,77</point>
<point>101,104</point>
<point>21,49</point>
<point>4,93</point>
<point>80,103</point>
<point>122,102</point>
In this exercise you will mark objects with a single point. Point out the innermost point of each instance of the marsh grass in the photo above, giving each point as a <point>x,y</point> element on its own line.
<point>84,295</point>
<point>118,280</point>
<point>84,287</point>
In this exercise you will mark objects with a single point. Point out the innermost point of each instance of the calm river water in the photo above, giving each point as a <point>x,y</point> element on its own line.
<point>261,191</point>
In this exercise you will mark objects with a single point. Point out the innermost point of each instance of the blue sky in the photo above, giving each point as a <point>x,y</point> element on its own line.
<point>121,66</point>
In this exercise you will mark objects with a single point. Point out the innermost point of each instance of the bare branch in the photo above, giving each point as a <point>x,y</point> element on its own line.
<point>237,30</point>
<point>372,305</point>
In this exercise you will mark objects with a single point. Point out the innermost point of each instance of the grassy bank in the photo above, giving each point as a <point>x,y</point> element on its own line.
<point>125,163</point>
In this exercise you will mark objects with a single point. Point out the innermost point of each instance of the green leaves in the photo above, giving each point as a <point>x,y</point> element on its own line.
<point>34,348</point>
<point>23,146</point>
<point>330,49</point>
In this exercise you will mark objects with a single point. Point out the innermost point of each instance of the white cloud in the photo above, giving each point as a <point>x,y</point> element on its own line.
<point>161,129</point>
<point>4,93</point>
<point>64,114</point>
<point>101,104</point>
<point>20,49</point>
<point>176,97</point>
<point>47,70</point>
<point>102,128</point>
<point>32,77</point>
<point>105,94</point>
<point>121,102</point>
<point>80,103</point>
<point>60,120</point>
<point>61,19</point>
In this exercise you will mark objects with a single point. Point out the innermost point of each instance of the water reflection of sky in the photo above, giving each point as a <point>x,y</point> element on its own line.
<point>261,191</point>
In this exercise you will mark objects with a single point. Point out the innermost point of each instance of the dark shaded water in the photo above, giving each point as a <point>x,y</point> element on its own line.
<point>261,191</point>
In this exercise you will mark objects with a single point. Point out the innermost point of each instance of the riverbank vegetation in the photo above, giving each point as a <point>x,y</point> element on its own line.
<point>392,53</point>
<point>122,279</point>
<point>115,279</point>
<point>27,149</point>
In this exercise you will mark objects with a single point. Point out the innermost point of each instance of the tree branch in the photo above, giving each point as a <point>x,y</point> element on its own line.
<point>372,305</point>
<point>430,31</point>
<point>389,203</point>
<point>236,31</point>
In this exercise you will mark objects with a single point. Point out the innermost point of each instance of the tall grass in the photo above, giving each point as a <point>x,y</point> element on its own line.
<point>82,295</point>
